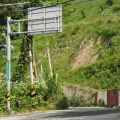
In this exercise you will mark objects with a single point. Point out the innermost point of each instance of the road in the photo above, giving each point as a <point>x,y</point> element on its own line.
<point>71,114</point>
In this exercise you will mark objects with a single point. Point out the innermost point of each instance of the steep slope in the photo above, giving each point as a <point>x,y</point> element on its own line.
<point>94,18</point>
<point>87,53</point>
<point>84,20</point>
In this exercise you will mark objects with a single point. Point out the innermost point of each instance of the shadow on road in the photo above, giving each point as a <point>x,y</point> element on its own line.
<point>71,114</point>
<point>66,114</point>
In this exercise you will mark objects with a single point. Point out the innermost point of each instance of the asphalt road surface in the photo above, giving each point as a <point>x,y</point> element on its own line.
<point>71,114</point>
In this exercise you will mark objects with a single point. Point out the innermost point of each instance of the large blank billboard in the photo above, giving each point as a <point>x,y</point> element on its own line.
<point>45,20</point>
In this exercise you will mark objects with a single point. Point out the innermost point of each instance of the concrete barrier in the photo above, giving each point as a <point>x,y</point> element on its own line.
<point>72,92</point>
<point>90,95</point>
<point>102,95</point>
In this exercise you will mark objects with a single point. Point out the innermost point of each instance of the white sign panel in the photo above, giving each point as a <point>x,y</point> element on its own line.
<point>45,20</point>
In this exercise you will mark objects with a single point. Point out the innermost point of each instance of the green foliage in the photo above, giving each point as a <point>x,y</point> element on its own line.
<point>64,47</point>
<point>109,2</point>
<point>83,13</point>
<point>116,8</point>
<point>101,103</point>
<point>2,98</point>
<point>106,33</point>
<point>53,90</point>
<point>63,103</point>
<point>103,74</point>
<point>21,99</point>
<point>76,102</point>
<point>22,65</point>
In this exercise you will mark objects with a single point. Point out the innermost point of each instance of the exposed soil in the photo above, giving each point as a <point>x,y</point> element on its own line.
<point>87,53</point>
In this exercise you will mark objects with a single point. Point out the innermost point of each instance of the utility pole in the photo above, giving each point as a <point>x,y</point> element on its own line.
<point>31,67</point>
<point>33,92</point>
<point>50,66</point>
<point>8,64</point>
<point>31,60</point>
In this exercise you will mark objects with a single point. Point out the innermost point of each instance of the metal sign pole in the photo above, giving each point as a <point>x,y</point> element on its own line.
<point>8,65</point>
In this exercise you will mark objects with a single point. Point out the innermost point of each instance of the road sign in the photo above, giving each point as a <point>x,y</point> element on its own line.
<point>40,21</point>
<point>45,20</point>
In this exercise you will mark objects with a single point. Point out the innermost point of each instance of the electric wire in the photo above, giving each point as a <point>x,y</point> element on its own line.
<point>60,3</point>
<point>13,4</point>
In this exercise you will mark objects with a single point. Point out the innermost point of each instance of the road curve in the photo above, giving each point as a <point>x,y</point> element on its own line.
<point>71,114</point>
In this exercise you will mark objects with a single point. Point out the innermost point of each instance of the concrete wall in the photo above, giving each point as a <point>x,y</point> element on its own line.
<point>76,92</point>
<point>86,94</point>
<point>102,95</point>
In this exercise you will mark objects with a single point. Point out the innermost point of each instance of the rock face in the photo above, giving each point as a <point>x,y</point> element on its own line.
<point>87,53</point>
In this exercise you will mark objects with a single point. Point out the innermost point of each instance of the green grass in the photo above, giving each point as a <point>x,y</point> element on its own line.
<point>64,46</point>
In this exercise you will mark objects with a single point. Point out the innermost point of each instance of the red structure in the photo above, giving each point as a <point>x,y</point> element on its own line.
<point>112,98</point>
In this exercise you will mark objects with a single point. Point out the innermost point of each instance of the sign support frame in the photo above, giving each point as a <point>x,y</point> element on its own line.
<point>8,44</point>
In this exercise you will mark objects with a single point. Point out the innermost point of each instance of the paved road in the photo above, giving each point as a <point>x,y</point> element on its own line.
<point>71,114</point>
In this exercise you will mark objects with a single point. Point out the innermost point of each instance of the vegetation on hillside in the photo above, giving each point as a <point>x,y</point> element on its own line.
<point>81,19</point>
<point>23,98</point>
<point>96,19</point>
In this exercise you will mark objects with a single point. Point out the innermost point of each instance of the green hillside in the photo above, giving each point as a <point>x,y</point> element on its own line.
<point>81,20</point>
<point>85,20</point>
<point>86,53</point>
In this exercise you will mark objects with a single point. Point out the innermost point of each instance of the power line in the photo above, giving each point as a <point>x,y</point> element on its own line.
<point>12,4</point>
<point>82,1</point>
<point>4,12</point>
<point>60,3</point>
<point>65,2</point>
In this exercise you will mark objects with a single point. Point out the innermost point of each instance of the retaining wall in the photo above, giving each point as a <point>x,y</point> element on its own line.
<point>102,95</point>
<point>92,95</point>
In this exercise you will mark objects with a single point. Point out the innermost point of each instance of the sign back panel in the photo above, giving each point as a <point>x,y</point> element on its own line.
<point>45,20</point>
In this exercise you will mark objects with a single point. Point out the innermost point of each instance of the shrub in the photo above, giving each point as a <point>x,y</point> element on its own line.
<point>83,13</point>
<point>63,103</point>
<point>109,2</point>
<point>101,103</point>
<point>116,8</point>
<point>75,102</point>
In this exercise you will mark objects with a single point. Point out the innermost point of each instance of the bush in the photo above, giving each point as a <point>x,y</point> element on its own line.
<point>75,102</point>
<point>109,2</point>
<point>63,103</point>
<point>83,13</point>
<point>101,103</point>
<point>116,8</point>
